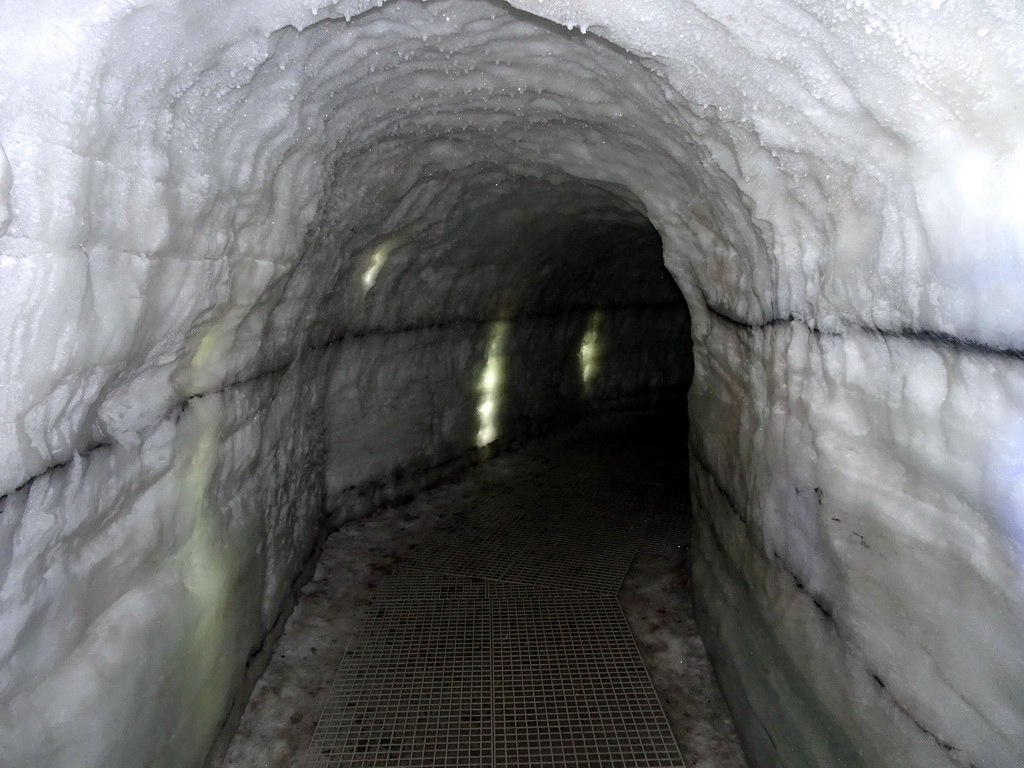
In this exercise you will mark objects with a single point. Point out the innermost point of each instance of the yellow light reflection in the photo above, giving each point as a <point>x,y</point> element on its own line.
<point>490,384</point>
<point>377,258</point>
<point>590,351</point>
<point>204,561</point>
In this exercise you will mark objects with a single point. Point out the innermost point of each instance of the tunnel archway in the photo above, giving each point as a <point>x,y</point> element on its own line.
<point>200,217</point>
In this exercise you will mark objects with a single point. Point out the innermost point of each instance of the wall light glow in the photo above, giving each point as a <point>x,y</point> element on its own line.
<point>489,387</point>
<point>205,568</point>
<point>590,351</point>
<point>377,258</point>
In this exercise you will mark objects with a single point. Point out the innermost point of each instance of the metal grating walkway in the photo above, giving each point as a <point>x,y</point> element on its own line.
<point>568,536</point>
<point>500,642</point>
<point>570,687</point>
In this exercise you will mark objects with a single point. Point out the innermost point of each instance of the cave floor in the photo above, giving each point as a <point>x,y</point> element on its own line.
<point>516,616</point>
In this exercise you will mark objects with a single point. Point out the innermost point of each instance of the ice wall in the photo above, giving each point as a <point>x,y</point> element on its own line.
<point>254,279</point>
<point>227,238</point>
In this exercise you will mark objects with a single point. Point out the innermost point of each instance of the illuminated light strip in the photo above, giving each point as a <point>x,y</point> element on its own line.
<point>490,385</point>
<point>590,351</point>
<point>378,258</point>
<point>206,568</point>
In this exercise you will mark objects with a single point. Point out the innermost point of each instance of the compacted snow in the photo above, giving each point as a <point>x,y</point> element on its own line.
<point>263,265</point>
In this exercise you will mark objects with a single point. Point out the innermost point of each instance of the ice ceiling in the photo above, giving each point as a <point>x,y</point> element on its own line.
<point>210,215</point>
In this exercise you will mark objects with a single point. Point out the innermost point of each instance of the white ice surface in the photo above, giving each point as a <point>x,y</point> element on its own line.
<point>881,528</point>
<point>200,211</point>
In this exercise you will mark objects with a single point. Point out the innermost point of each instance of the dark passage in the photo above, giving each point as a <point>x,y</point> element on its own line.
<point>514,617</point>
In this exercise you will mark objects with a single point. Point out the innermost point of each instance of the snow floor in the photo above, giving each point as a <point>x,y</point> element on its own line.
<point>533,545</point>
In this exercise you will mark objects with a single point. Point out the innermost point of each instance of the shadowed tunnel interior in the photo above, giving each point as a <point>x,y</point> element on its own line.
<point>266,267</point>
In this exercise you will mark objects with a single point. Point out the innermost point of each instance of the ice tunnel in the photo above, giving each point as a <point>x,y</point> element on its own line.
<point>264,261</point>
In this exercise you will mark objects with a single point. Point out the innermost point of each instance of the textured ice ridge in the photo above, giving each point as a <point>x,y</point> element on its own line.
<point>253,259</point>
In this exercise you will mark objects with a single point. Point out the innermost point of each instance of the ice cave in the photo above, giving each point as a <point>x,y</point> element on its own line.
<point>266,263</point>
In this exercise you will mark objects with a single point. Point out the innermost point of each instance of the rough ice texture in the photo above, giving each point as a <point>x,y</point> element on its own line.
<point>259,212</point>
<point>879,581</point>
<point>240,291</point>
<point>139,579</point>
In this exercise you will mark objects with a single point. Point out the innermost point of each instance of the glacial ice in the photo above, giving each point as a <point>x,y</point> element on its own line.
<point>251,259</point>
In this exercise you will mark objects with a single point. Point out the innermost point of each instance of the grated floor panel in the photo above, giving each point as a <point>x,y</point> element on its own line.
<point>500,643</point>
<point>573,536</point>
<point>570,687</point>
<point>414,687</point>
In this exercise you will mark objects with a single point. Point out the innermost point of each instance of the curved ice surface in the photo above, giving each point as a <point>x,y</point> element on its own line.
<point>6,182</point>
<point>239,235</point>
